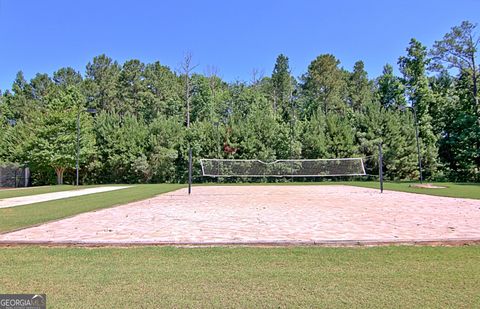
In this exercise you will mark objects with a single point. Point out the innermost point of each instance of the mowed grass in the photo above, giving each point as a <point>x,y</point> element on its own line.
<point>28,215</point>
<point>308,277</point>
<point>459,190</point>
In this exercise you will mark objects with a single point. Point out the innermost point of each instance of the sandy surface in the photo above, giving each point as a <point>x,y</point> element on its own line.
<point>261,214</point>
<point>37,198</point>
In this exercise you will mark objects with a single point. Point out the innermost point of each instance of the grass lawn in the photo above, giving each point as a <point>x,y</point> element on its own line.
<point>159,277</point>
<point>27,215</point>
<point>461,190</point>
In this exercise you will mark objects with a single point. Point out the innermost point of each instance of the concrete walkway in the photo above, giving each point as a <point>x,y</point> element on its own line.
<point>268,214</point>
<point>30,199</point>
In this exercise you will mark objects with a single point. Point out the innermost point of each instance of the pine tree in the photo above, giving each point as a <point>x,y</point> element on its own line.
<point>457,120</point>
<point>20,103</point>
<point>413,67</point>
<point>282,88</point>
<point>100,83</point>
<point>390,91</point>
<point>324,86</point>
<point>163,94</point>
<point>399,144</point>
<point>130,87</point>
<point>166,141</point>
<point>314,140</point>
<point>359,87</point>
<point>458,49</point>
<point>340,135</point>
<point>67,77</point>
<point>122,142</point>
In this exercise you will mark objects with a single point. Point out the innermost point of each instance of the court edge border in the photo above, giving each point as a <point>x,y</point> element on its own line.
<point>279,243</point>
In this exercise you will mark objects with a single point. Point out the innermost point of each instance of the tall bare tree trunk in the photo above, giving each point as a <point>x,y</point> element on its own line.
<point>477,111</point>
<point>187,68</point>
<point>477,107</point>
<point>475,96</point>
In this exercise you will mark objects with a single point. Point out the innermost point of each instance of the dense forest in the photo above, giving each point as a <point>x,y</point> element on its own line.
<point>139,130</point>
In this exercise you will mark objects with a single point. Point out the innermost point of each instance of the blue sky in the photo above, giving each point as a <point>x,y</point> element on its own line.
<point>234,36</point>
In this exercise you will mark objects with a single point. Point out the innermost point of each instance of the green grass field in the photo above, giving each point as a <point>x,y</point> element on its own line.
<point>247,277</point>
<point>308,277</point>
<point>28,215</point>
<point>460,190</point>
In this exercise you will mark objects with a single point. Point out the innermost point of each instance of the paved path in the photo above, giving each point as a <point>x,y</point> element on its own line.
<point>37,198</point>
<point>268,214</point>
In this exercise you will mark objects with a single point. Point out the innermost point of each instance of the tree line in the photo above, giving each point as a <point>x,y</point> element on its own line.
<point>139,133</point>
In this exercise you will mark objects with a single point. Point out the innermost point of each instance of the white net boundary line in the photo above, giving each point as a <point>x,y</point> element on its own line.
<point>208,167</point>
